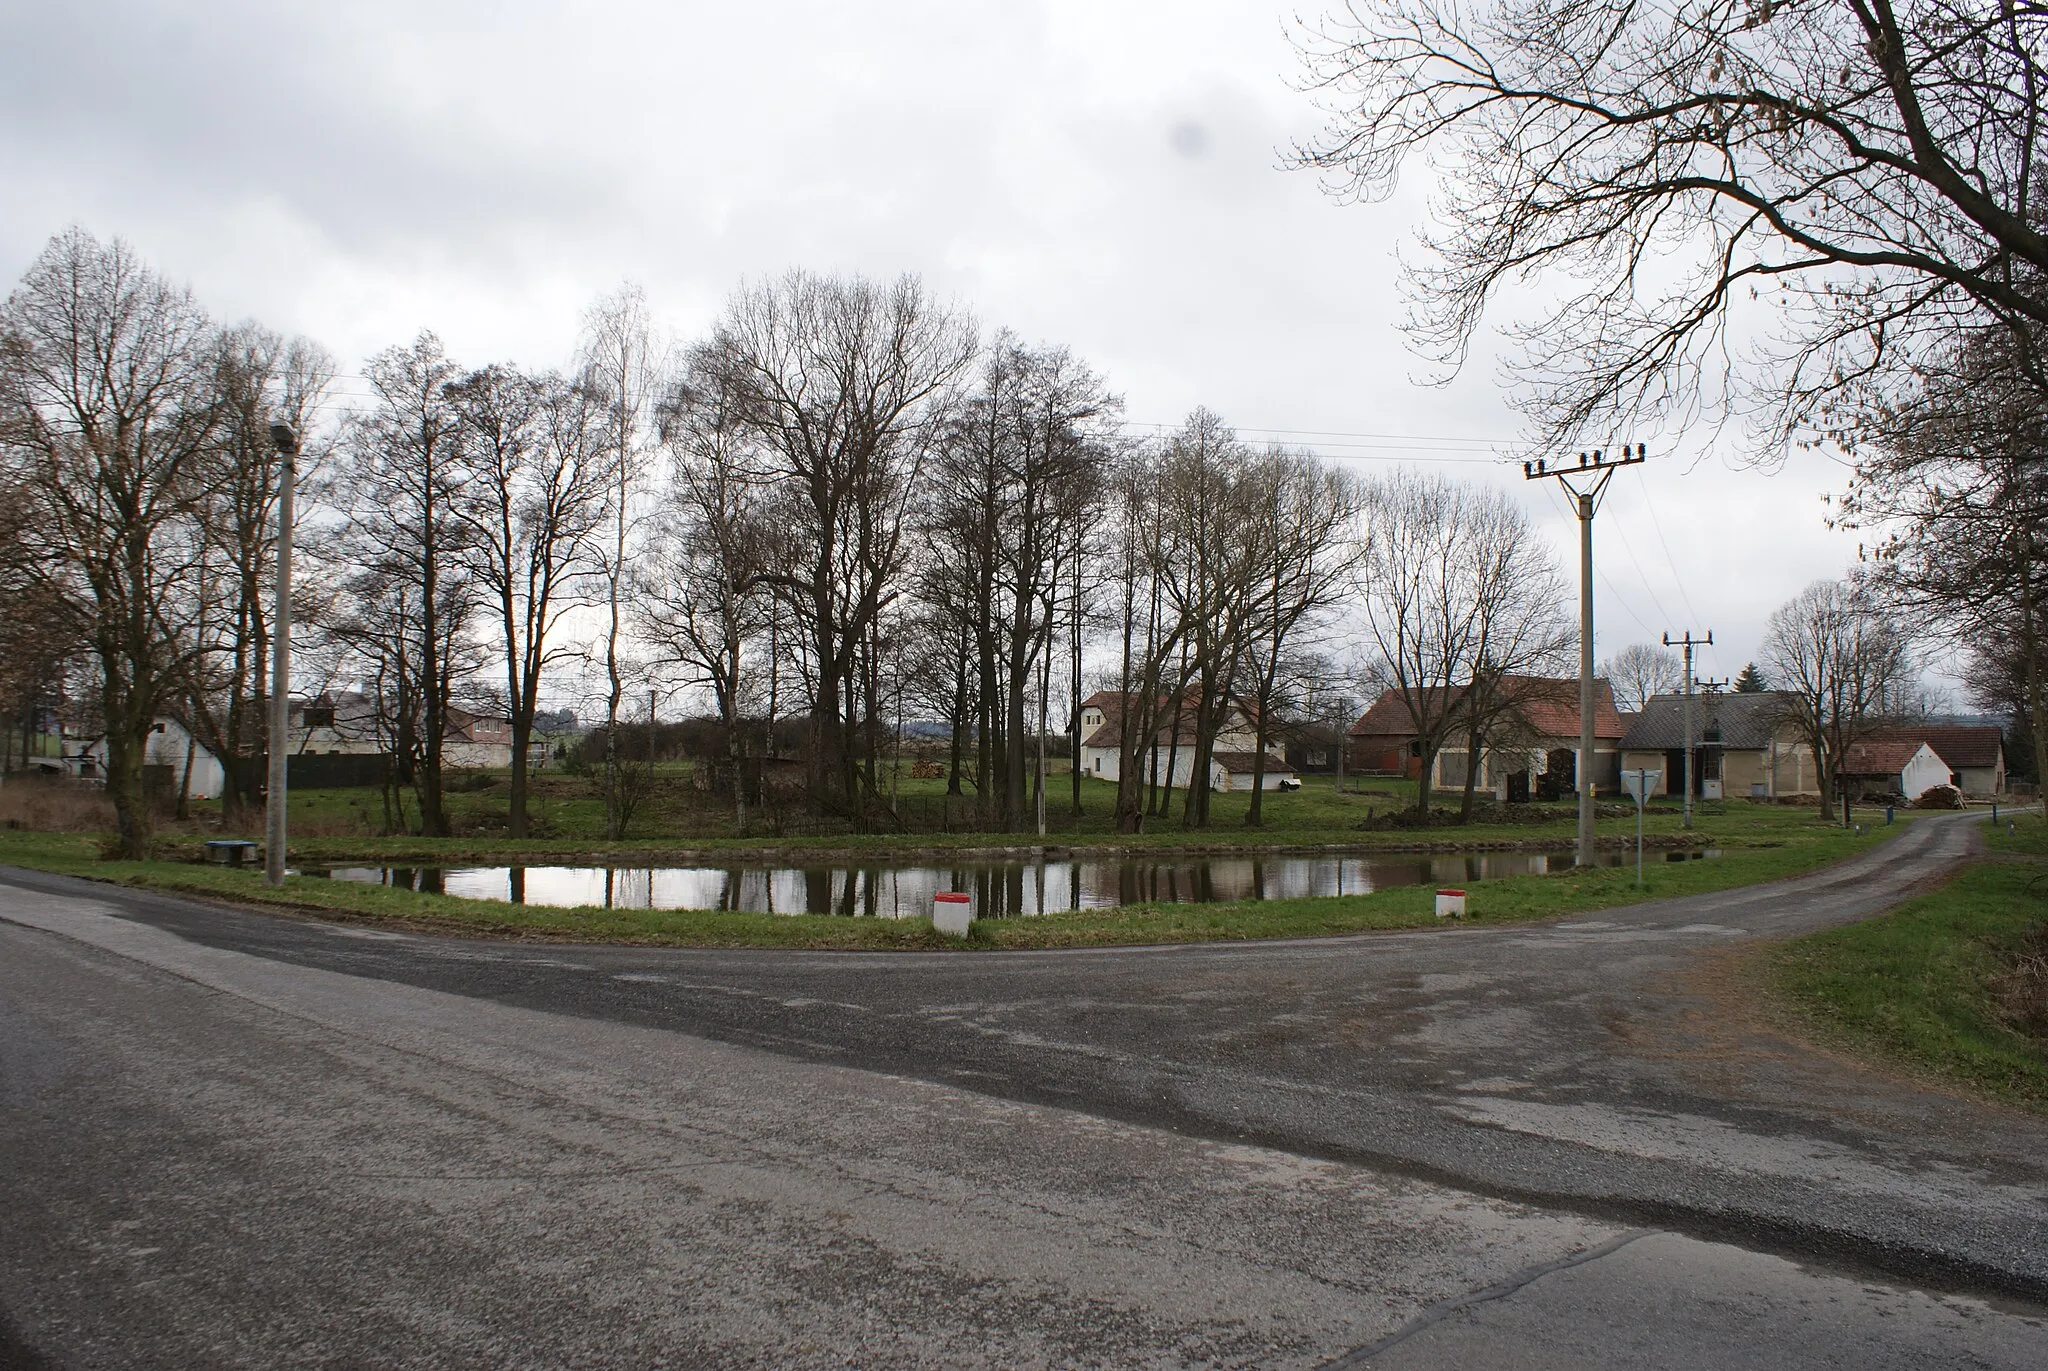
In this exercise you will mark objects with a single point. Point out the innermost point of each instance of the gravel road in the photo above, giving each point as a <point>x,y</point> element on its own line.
<point>234,1139</point>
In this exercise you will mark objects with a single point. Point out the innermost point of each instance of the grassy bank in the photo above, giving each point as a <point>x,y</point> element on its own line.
<point>1940,988</point>
<point>568,818</point>
<point>1315,817</point>
<point>1773,849</point>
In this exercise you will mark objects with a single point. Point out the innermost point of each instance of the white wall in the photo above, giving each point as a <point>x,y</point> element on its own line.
<point>1924,770</point>
<point>1104,763</point>
<point>167,748</point>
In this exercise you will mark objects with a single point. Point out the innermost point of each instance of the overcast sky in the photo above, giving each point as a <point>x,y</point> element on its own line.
<point>1104,174</point>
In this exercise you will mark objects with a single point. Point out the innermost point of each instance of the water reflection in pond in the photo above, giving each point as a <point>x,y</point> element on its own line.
<point>1000,889</point>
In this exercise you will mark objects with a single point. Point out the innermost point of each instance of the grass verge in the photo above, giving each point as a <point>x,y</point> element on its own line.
<point>1939,987</point>
<point>1300,819</point>
<point>1510,899</point>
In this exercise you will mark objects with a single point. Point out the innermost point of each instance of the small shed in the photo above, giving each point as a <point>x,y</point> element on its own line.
<point>186,763</point>
<point>1236,771</point>
<point>1891,766</point>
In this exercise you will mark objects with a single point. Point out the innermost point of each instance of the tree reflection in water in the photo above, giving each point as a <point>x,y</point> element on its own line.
<point>999,890</point>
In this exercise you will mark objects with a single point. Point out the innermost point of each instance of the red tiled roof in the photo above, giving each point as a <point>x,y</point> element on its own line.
<point>1111,733</point>
<point>1960,745</point>
<point>1390,716</point>
<point>1549,705</point>
<point>1880,756</point>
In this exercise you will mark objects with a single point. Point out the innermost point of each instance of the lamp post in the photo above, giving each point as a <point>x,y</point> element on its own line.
<point>287,444</point>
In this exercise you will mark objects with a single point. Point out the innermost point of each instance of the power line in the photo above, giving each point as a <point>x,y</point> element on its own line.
<point>1676,575</point>
<point>1360,447</point>
<point>1642,575</point>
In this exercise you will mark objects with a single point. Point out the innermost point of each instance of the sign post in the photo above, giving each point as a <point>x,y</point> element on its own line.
<point>1639,784</point>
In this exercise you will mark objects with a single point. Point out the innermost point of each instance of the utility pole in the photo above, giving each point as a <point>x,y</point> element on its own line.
<point>1688,642</point>
<point>1592,475</point>
<point>287,444</point>
<point>1343,734</point>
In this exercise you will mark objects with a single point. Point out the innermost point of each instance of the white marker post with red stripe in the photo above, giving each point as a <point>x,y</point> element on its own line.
<point>952,912</point>
<point>1450,904</point>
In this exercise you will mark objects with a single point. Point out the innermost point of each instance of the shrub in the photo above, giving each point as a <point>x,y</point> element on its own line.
<point>2024,990</point>
<point>54,805</point>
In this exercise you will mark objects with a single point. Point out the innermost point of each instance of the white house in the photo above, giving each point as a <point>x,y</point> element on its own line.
<point>170,745</point>
<point>1170,758</point>
<point>346,723</point>
<point>1975,754</point>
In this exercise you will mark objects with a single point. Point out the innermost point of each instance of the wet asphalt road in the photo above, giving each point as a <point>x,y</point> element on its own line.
<point>1592,1067</point>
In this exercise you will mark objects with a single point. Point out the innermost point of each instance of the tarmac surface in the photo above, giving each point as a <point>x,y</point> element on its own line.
<point>232,1139</point>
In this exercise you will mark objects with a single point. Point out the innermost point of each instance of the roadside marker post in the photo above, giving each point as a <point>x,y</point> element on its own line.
<point>1638,785</point>
<point>1450,904</point>
<point>952,912</point>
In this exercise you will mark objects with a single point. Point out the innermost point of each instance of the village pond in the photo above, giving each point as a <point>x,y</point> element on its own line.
<point>999,889</point>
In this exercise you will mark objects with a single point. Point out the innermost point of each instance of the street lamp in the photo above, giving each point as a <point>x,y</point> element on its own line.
<point>287,444</point>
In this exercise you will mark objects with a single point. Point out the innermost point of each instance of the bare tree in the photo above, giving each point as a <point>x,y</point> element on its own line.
<point>1863,169</point>
<point>1014,484</point>
<point>1952,478</point>
<point>1309,511</point>
<point>1844,662</point>
<point>260,378</point>
<point>845,383</point>
<point>107,434</point>
<point>1520,629</point>
<point>43,636</point>
<point>618,364</point>
<point>1211,566</point>
<point>1148,636</point>
<point>1639,671</point>
<point>403,559</point>
<point>538,480</point>
<point>1443,593</point>
<point>702,599</point>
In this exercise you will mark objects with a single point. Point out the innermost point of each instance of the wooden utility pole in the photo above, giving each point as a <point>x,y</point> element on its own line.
<point>1688,642</point>
<point>1592,474</point>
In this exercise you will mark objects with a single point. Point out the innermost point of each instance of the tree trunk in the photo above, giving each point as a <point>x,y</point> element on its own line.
<point>2030,651</point>
<point>522,737</point>
<point>957,742</point>
<point>124,786</point>
<point>1473,749</point>
<point>1254,815</point>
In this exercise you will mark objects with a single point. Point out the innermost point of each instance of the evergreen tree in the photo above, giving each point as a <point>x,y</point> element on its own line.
<point>1750,681</point>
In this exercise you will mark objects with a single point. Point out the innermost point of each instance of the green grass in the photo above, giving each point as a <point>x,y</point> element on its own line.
<point>1919,989</point>
<point>1773,850</point>
<point>332,825</point>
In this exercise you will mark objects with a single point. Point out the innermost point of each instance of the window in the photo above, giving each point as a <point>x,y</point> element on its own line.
<point>319,716</point>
